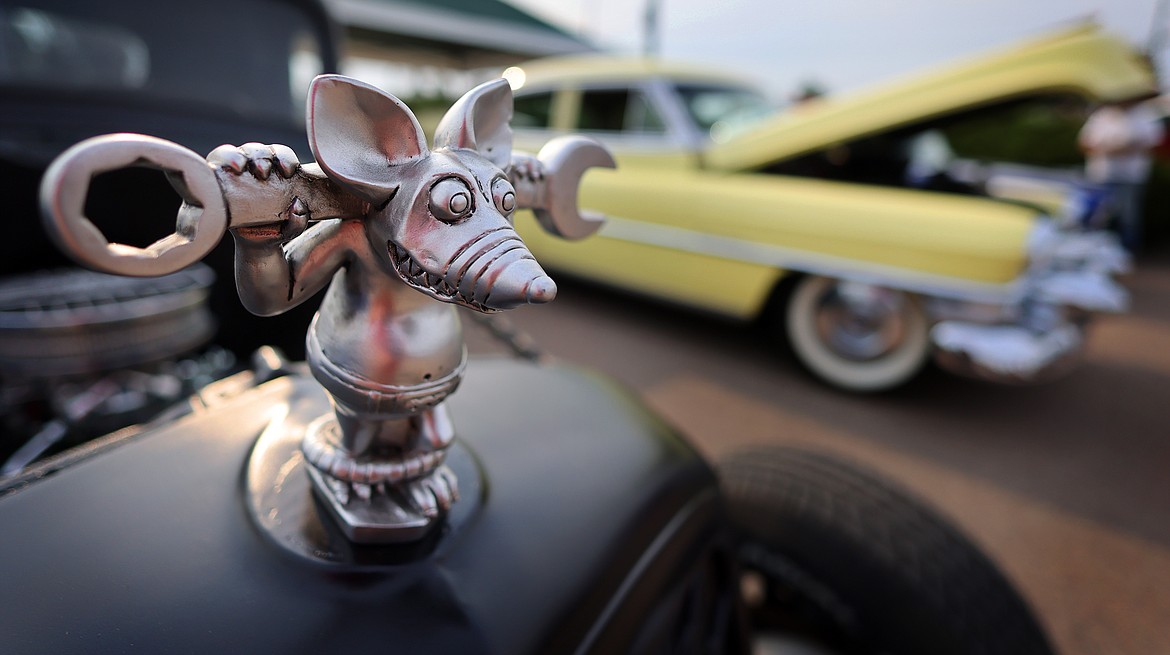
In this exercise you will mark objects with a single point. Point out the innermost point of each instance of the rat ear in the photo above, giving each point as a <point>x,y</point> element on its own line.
<point>479,121</point>
<point>358,133</point>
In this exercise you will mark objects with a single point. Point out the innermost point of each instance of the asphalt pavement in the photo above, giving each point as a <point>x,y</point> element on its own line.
<point>1066,485</point>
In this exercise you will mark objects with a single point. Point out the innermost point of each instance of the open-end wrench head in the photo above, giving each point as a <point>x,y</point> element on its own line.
<point>564,160</point>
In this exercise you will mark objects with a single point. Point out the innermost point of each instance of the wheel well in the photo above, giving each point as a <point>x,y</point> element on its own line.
<point>776,306</point>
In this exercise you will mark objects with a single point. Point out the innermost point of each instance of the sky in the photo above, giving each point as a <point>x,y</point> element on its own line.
<point>838,44</point>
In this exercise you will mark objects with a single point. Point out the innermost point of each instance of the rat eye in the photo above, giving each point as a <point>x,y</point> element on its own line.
<point>450,200</point>
<point>503,195</point>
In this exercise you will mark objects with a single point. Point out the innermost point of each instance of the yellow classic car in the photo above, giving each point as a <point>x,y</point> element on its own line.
<point>848,224</point>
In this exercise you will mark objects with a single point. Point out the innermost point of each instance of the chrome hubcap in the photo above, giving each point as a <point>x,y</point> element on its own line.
<point>861,322</point>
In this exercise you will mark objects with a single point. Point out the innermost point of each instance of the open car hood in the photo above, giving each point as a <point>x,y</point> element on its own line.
<point>1080,60</point>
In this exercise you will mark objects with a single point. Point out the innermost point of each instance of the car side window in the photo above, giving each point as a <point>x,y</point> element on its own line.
<point>626,111</point>
<point>533,110</point>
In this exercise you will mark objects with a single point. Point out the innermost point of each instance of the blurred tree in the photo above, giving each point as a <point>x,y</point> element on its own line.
<point>1043,132</point>
<point>1038,131</point>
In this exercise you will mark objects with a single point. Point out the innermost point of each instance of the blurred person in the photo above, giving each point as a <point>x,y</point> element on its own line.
<point>808,92</point>
<point>1118,141</point>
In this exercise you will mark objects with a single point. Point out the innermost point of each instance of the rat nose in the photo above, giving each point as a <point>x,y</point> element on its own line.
<point>512,280</point>
<point>541,290</point>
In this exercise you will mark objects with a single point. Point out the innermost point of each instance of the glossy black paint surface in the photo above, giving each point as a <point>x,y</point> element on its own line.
<point>591,513</point>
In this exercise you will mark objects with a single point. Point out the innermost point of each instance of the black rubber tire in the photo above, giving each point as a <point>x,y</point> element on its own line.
<point>860,567</point>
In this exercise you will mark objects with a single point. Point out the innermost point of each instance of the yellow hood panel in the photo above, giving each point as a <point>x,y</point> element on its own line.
<point>1082,60</point>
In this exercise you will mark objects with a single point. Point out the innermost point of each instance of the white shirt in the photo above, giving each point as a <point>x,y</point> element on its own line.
<point>1118,143</point>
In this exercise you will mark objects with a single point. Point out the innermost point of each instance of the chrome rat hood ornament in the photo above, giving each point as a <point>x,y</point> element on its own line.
<point>394,226</point>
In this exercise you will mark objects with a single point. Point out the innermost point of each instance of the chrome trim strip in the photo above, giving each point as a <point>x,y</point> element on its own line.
<point>701,243</point>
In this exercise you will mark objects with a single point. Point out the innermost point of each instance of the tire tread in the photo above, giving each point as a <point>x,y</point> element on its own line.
<point>897,542</point>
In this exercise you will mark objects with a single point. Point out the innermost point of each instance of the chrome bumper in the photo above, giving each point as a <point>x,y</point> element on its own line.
<point>1006,353</point>
<point>1039,335</point>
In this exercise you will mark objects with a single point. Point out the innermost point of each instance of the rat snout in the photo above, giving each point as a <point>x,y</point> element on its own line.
<point>521,282</point>
<point>513,281</point>
<point>498,272</point>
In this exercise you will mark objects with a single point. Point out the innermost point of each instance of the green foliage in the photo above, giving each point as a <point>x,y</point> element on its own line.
<point>1035,133</point>
<point>429,110</point>
<point>1043,132</point>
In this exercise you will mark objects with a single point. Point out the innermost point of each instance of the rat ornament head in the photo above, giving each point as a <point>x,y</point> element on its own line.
<point>441,217</point>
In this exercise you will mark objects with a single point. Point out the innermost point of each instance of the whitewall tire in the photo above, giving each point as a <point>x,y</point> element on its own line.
<point>854,336</point>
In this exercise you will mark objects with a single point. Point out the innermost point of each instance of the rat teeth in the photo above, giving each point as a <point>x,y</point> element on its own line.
<point>396,254</point>
<point>414,274</point>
